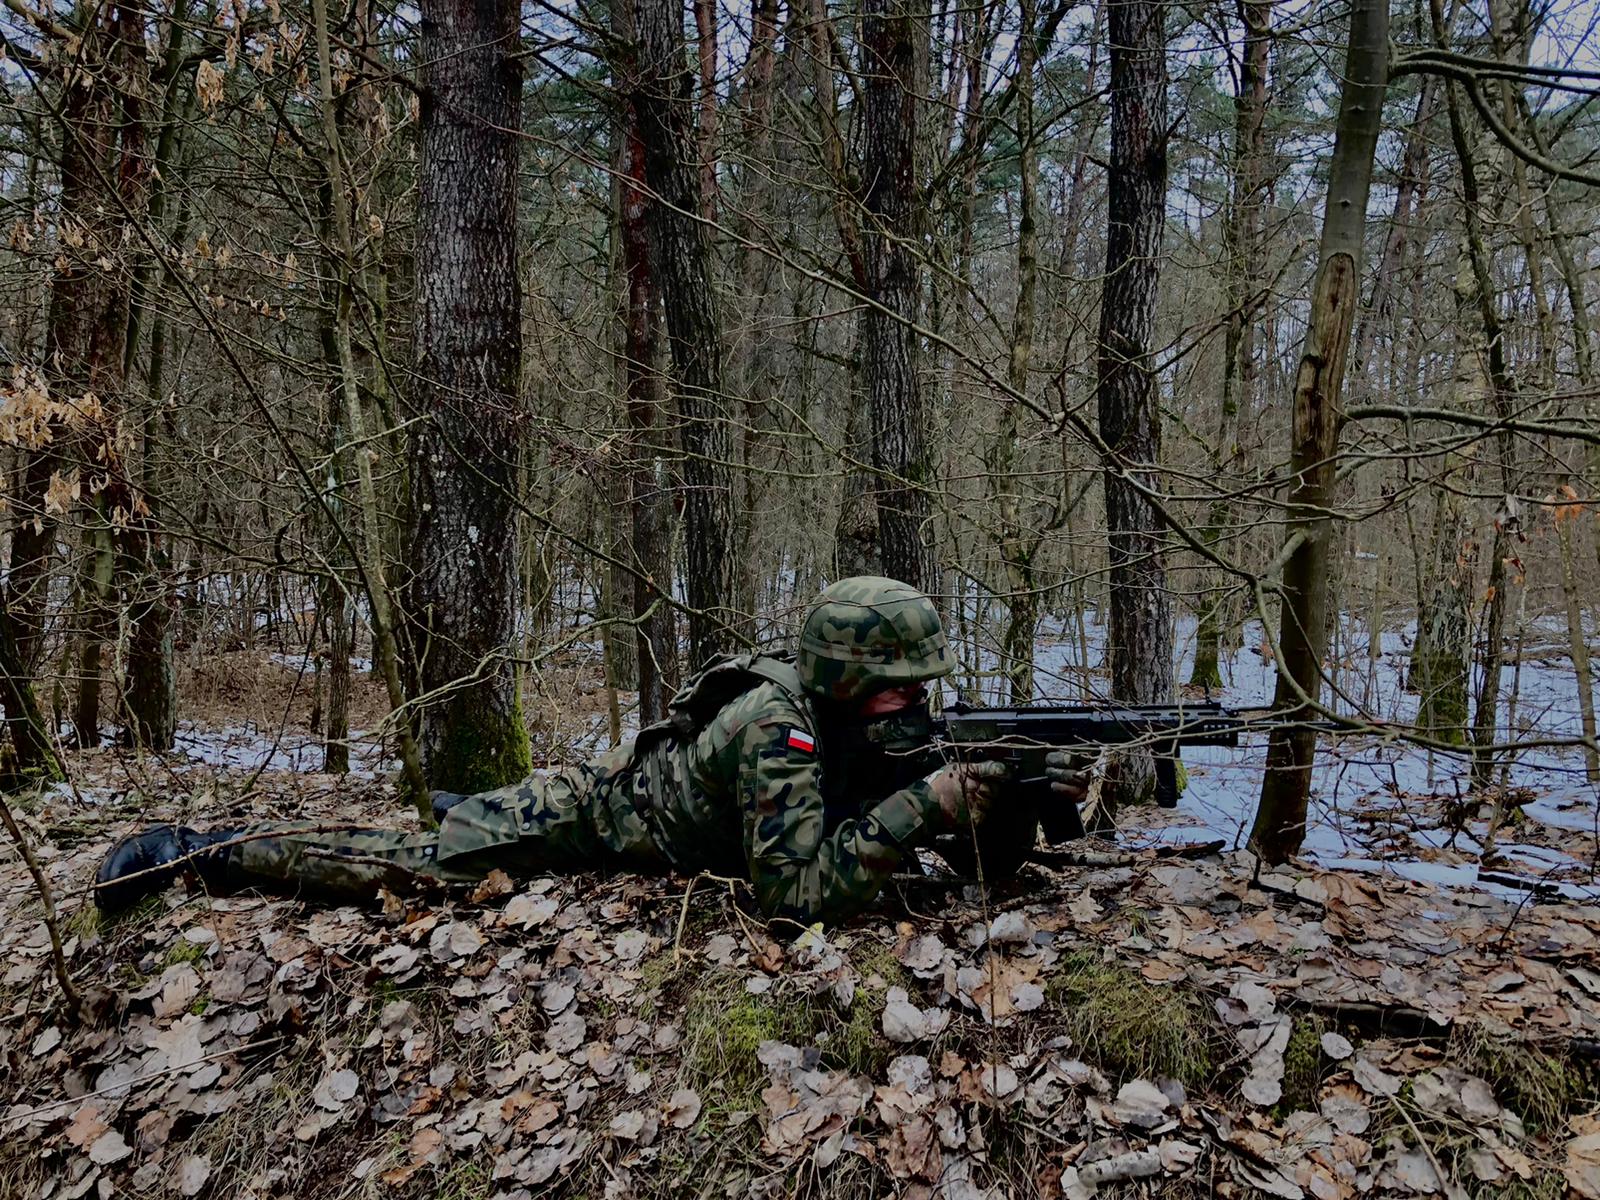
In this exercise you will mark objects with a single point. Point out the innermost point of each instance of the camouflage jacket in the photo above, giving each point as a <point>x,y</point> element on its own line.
<point>745,795</point>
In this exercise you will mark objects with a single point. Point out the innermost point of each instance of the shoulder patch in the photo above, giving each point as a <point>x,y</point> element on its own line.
<point>799,739</point>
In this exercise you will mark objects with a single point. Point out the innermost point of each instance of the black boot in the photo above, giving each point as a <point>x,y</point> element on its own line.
<point>443,802</point>
<point>147,863</point>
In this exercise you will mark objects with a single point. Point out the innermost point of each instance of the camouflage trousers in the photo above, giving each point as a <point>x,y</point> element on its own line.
<point>582,818</point>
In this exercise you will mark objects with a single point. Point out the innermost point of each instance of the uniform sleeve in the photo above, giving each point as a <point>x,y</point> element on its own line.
<point>798,872</point>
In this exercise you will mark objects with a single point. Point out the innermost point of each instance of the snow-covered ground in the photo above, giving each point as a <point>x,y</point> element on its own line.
<point>249,748</point>
<point>1358,774</point>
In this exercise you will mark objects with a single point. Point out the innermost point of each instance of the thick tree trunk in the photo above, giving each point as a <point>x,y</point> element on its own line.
<point>1139,633</point>
<point>466,456</point>
<point>1280,820</point>
<point>901,458</point>
<point>660,86</point>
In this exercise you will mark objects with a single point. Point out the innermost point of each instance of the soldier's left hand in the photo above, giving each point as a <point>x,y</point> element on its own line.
<point>1068,776</point>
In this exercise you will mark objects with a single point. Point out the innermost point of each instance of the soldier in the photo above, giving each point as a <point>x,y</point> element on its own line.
<point>793,775</point>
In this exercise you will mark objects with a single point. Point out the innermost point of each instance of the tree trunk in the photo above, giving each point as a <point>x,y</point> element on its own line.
<point>660,86</point>
<point>1478,290</point>
<point>1280,821</point>
<point>465,457</point>
<point>1139,630</point>
<point>30,739</point>
<point>650,538</point>
<point>1017,545</point>
<point>384,651</point>
<point>336,721</point>
<point>1440,661</point>
<point>901,459</point>
<point>1241,235</point>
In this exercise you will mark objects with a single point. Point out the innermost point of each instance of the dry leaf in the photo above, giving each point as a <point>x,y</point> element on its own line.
<point>683,1110</point>
<point>193,1174</point>
<point>336,1089</point>
<point>86,1126</point>
<point>1142,1104</point>
<point>495,884</point>
<point>109,1148</point>
<point>566,1033</point>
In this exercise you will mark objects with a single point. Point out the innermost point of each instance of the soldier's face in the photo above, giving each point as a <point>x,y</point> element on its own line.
<point>892,700</point>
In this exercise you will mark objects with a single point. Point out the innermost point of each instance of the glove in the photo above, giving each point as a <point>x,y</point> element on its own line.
<point>146,864</point>
<point>1068,777</point>
<point>443,802</point>
<point>965,791</point>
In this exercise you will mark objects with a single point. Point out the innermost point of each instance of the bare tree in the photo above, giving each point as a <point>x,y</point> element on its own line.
<point>1280,819</point>
<point>661,87</point>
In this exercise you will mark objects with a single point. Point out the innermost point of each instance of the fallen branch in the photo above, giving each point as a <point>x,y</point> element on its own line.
<point>69,993</point>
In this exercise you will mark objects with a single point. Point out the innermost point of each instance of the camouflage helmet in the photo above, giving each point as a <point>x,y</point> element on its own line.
<point>868,633</point>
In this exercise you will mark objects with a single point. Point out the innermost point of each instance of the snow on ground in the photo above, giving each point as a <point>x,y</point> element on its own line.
<point>1355,775</point>
<point>247,747</point>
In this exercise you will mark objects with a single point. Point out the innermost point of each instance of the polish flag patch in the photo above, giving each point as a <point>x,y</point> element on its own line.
<point>799,739</point>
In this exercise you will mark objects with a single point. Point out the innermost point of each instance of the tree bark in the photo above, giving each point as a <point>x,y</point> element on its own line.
<point>660,86</point>
<point>901,458</point>
<point>465,458</point>
<point>1280,820</point>
<point>1243,265</point>
<point>1018,546</point>
<point>649,543</point>
<point>1139,642</point>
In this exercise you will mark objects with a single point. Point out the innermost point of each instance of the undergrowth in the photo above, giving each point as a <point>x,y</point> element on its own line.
<point>1131,1028</point>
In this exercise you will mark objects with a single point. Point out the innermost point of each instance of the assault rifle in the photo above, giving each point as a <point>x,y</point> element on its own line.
<point>1022,737</point>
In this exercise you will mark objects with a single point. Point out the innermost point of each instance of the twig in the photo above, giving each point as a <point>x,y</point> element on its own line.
<point>683,920</point>
<point>69,993</point>
<point>1445,1181</point>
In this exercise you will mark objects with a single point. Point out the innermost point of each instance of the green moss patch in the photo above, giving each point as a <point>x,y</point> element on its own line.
<point>1131,1028</point>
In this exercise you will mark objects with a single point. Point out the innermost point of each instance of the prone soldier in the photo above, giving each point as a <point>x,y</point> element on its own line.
<point>793,775</point>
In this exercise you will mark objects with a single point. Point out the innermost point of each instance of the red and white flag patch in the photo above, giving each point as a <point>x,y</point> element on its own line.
<point>799,739</point>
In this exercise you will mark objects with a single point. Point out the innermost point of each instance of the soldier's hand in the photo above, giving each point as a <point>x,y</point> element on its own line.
<point>966,791</point>
<point>1068,776</point>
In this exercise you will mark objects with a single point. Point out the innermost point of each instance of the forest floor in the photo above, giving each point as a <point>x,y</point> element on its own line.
<point>1135,1026</point>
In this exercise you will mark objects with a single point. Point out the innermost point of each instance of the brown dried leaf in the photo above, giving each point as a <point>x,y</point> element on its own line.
<point>495,884</point>
<point>86,1126</point>
<point>683,1110</point>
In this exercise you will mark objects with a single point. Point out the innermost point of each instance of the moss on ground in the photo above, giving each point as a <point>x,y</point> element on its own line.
<point>1303,1062</point>
<point>1131,1028</point>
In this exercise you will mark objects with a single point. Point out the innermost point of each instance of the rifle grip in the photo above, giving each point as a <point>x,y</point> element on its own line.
<point>1166,780</point>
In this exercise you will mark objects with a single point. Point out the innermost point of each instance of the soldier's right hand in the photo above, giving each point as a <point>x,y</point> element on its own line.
<point>966,791</point>
<point>1068,776</point>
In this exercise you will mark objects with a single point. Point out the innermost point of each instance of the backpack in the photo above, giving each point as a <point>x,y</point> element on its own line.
<point>721,681</point>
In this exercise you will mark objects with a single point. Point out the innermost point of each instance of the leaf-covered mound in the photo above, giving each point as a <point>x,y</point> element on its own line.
<point>1151,1028</point>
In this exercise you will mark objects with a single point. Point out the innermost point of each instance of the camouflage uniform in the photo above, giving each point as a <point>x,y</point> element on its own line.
<point>742,795</point>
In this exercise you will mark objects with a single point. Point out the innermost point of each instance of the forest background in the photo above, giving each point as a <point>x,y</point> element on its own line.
<point>464,338</point>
